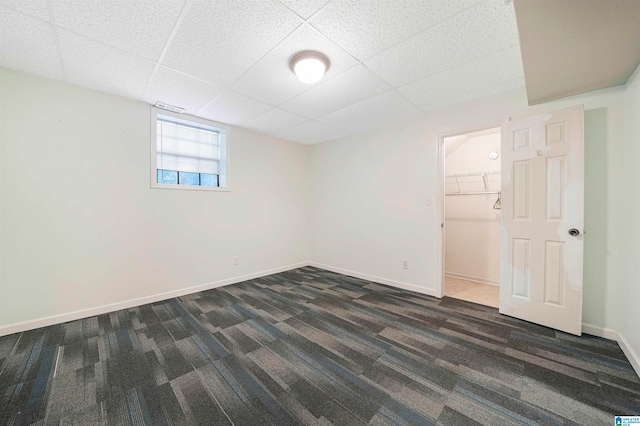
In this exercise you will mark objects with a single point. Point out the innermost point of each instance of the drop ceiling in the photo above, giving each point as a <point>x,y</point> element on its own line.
<point>228,60</point>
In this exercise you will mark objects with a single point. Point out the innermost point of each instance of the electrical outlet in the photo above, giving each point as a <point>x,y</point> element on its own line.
<point>405,264</point>
<point>427,201</point>
<point>236,261</point>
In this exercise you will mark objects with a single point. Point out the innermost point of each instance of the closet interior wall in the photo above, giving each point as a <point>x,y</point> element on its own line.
<point>472,224</point>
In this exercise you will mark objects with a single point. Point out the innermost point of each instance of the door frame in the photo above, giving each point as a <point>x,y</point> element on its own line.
<point>441,197</point>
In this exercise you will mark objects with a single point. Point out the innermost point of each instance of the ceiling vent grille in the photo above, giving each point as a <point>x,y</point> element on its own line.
<point>168,107</point>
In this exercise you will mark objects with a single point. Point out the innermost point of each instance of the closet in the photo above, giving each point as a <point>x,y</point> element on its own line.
<point>472,216</point>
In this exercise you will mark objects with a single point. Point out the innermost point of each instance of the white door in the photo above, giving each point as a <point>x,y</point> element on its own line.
<point>542,219</point>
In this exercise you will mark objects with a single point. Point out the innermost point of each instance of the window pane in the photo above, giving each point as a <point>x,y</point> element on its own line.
<point>167,176</point>
<point>187,178</point>
<point>189,153</point>
<point>208,180</point>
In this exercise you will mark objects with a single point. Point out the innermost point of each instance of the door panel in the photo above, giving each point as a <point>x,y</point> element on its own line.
<point>556,186</point>
<point>542,198</point>
<point>554,276</point>
<point>522,190</point>
<point>521,275</point>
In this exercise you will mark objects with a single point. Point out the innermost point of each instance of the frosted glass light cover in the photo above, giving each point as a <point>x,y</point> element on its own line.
<point>309,67</point>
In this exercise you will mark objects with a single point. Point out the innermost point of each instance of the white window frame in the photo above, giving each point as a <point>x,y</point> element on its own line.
<point>224,135</point>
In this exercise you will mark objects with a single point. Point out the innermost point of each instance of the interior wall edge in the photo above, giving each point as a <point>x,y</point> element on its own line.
<point>126,304</point>
<point>377,280</point>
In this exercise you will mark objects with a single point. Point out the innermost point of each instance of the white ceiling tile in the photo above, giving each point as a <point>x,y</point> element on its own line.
<point>494,89</point>
<point>141,27</point>
<point>391,117</point>
<point>347,88</point>
<point>304,8</point>
<point>497,88</point>
<point>274,121</point>
<point>36,8</point>
<point>180,90</point>
<point>326,137</point>
<point>485,28</point>
<point>381,109</point>
<point>306,131</point>
<point>486,71</point>
<point>364,28</point>
<point>94,65</point>
<point>272,81</point>
<point>232,108</point>
<point>27,44</point>
<point>218,41</point>
<point>228,59</point>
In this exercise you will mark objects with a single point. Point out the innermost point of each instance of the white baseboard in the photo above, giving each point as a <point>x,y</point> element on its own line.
<point>471,278</point>
<point>18,327</point>
<point>611,334</point>
<point>631,355</point>
<point>103,309</point>
<point>385,281</point>
<point>606,333</point>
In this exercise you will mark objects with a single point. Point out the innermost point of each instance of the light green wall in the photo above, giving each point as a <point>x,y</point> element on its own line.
<point>629,236</point>
<point>345,219</point>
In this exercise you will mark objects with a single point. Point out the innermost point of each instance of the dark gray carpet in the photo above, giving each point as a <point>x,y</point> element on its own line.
<point>311,347</point>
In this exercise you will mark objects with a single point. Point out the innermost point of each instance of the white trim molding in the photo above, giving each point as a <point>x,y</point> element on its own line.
<point>103,309</point>
<point>607,333</point>
<point>624,344</point>
<point>440,198</point>
<point>18,327</point>
<point>631,355</point>
<point>378,280</point>
<point>472,278</point>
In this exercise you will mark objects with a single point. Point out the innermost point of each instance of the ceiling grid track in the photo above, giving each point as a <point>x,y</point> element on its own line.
<point>56,38</point>
<point>246,71</point>
<point>229,62</point>
<point>174,30</point>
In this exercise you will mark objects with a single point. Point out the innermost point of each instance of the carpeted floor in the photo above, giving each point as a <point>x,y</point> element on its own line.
<point>311,347</point>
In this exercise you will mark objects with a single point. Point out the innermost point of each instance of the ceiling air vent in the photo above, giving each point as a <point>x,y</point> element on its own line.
<point>169,107</point>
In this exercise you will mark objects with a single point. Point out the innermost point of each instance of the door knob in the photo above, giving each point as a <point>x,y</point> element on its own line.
<point>574,232</point>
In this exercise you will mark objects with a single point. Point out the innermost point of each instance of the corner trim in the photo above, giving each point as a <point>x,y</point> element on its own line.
<point>379,280</point>
<point>607,333</point>
<point>624,344</point>
<point>632,356</point>
<point>126,304</point>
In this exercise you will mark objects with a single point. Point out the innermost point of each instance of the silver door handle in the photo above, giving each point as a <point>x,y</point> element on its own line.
<point>574,232</point>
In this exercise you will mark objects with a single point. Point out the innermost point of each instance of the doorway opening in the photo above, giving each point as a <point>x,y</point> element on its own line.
<point>472,216</point>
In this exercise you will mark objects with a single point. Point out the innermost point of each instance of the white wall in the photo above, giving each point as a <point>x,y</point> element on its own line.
<point>630,280</point>
<point>81,227</point>
<point>472,226</point>
<point>368,209</point>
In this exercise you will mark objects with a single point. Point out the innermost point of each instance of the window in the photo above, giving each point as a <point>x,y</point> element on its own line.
<point>187,153</point>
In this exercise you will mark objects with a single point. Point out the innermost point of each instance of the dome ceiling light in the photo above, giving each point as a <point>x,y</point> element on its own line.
<point>309,66</point>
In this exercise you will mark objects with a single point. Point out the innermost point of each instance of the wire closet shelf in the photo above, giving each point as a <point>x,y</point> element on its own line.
<point>487,182</point>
